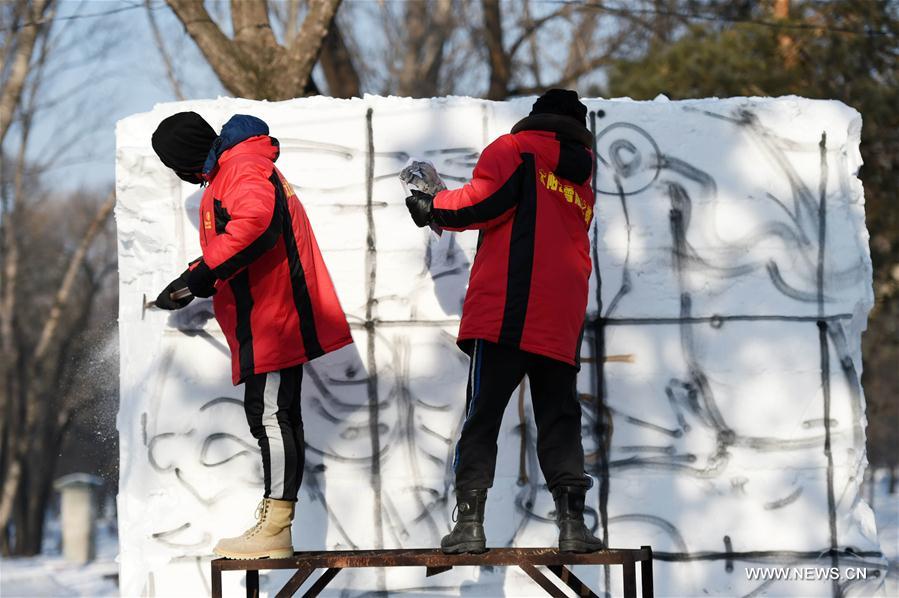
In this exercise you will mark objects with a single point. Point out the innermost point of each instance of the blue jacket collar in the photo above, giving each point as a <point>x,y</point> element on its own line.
<point>239,127</point>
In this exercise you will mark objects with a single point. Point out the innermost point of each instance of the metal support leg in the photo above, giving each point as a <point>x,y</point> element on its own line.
<point>321,582</point>
<point>252,583</point>
<point>431,571</point>
<point>542,581</point>
<point>646,573</point>
<point>293,584</point>
<point>571,580</point>
<point>216,581</point>
<point>630,577</point>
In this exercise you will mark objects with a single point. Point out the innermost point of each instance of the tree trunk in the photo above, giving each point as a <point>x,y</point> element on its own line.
<point>427,27</point>
<point>11,394</point>
<point>295,66</point>
<point>415,23</point>
<point>235,70</point>
<point>892,487</point>
<point>337,65</point>
<point>784,41</point>
<point>500,67</point>
<point>43,456</point>
<point>252,64</point>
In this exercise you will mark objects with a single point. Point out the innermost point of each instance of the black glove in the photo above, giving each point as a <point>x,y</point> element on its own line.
<point>200,280</point>
<point>419,204</point>
<point>165,300</point>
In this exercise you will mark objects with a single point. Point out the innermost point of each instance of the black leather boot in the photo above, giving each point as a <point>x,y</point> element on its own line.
<point>573,534</point>
<point>468,533</point>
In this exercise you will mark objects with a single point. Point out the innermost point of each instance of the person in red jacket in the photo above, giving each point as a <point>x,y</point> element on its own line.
<point>530,197</point>
<point>272,297</point>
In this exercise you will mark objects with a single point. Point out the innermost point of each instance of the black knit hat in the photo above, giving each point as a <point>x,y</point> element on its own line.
<point>182,141</point>
<point>564,102</point>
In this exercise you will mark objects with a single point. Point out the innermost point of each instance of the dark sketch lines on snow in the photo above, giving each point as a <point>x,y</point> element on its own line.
<point>692,399</point>
<point>680,367</point>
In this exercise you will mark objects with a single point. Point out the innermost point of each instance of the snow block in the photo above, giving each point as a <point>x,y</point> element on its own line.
<point>724,419</point>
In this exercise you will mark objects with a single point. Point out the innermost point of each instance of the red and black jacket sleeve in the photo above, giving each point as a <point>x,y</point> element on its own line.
<point>489,197</point>
<point>253,225</point>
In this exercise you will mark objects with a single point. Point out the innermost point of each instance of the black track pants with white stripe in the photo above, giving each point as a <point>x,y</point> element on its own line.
<point>496,371</point>
<point>272,405</point>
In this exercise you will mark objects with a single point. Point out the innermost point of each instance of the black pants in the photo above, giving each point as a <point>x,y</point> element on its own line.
<point>495,373</point>
<point>272,404</point>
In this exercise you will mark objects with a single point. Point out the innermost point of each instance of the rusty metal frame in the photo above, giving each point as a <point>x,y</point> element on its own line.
<point>435,562</point>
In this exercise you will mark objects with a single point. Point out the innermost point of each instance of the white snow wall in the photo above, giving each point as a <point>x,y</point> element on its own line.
<point>723,414</point>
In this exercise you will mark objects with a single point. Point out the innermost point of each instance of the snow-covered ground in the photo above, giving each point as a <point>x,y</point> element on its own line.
<point>50,575</point>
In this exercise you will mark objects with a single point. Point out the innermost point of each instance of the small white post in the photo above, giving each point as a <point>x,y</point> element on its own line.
<point>78,515</point>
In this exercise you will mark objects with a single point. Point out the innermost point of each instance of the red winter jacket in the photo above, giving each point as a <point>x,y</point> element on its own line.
<point>531,198</point>
<point>275,301</point>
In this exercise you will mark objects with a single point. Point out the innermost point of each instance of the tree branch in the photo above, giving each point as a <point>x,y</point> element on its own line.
<point>228,62</point>
<point>337,65</point>
<point>51,325</point>
<point>500,64</point>
<point>249,19</point>
<point>303,53</point>
<point>432,51</point>
<point>415,22</point>
<point>290,21</point>
<point>532,26</point>
<point>566,80</point>
<point>18,73</point>
<point>427,29</point>
<point>535,65</point>
<point>581,43</point>
<point>166,59</point>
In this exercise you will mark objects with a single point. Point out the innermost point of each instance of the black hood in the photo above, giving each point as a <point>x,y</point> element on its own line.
<point>575,144</point>
<point>555,123</point>
<point>182,141</point>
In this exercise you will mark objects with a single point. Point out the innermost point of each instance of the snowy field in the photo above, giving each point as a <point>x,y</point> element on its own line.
<point>51,576</point>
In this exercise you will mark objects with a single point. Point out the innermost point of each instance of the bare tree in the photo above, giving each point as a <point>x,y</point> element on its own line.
<point>44,309</point>
<point>427,47</point>
<point>583,47</point>
<point>252,64</point>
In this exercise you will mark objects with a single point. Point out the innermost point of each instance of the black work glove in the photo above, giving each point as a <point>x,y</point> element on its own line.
<point>200,280</point>
<point>419,204</point>
<point>179,286</point>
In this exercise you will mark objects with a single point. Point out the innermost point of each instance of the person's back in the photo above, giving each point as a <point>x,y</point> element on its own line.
<point>283,264</point>
<point>528,286</point>
<point>531,199</point>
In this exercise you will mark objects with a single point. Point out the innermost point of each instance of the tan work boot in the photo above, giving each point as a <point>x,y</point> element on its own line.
<point>269,538</point>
